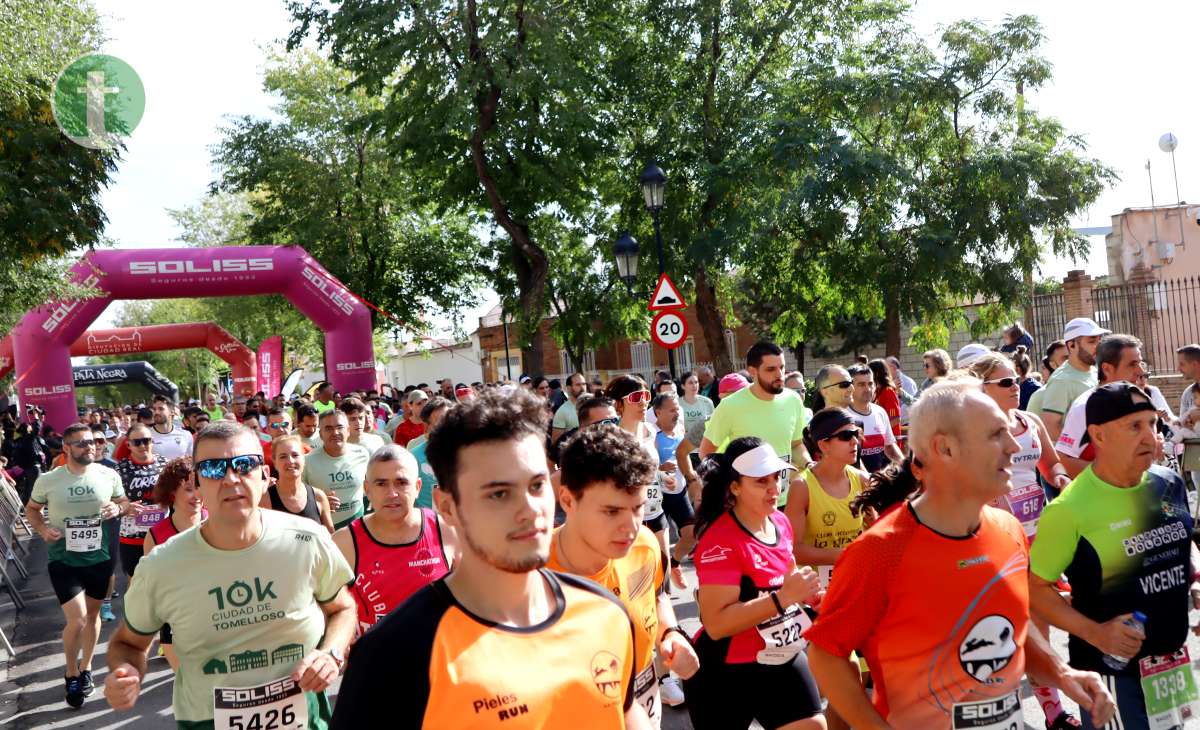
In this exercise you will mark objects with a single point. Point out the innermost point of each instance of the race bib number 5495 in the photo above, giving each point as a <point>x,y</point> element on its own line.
<point>83,535</point>
<point>277,705</point>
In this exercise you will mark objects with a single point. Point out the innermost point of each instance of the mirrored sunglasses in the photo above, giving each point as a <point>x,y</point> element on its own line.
<point>217,468</point>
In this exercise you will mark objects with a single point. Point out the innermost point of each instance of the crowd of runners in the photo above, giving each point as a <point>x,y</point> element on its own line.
<point>501,555</point>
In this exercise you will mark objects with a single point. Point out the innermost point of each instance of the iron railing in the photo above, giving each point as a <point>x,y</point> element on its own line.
<point>1164,315</point>
<point>1049,320</point>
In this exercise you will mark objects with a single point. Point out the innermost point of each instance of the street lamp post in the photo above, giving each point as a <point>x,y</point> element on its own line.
<point>654,187</point>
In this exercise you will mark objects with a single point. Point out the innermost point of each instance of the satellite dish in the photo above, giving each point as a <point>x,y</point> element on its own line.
<point>1168,142</point>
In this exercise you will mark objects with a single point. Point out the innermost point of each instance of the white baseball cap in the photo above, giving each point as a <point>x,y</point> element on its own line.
<point>969,354</point>
<point>1083,327</point>
<point>759,462</point>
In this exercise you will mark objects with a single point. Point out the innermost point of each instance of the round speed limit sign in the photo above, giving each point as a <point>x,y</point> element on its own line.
<point>669,329</point>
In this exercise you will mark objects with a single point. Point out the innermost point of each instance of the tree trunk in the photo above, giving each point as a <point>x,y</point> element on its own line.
<point>799,350</point>
<point>893,328</point>
<point>529,259</point>
<point>531,286</point>
<point>711,322</point>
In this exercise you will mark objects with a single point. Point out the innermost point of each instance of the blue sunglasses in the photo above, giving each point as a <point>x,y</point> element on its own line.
<point>216,468</point>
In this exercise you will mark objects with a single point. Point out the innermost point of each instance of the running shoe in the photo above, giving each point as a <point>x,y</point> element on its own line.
<point>86,685</point>
<point>74,692</point>
<point>1065,721</point>
<point>671,691</point>
<point>106,612</point>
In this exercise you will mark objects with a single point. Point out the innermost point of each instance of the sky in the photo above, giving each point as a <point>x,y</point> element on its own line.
<point>1118,83</point>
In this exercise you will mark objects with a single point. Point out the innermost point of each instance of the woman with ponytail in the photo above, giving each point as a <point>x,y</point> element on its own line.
<point>1029,385</point>
<point>819,505</point>
<point>750,600</point>
<point>887,489</point>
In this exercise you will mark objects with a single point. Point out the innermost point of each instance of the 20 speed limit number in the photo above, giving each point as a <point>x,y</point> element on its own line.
<point>669,329</point>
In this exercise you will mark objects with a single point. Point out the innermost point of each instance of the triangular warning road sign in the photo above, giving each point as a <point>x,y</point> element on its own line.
<point>665,296</point>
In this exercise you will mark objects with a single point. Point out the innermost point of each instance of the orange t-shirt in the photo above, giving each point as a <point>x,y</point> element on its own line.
<point>431,664</point>
<point>636,579</point>
<point>940,620</point>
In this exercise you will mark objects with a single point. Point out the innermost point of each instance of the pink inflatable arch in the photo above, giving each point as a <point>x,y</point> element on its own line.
<point>43,338</point>
<point>159,337</point>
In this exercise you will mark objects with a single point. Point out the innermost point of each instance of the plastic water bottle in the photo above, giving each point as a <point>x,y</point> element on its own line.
<point>1138,621</point>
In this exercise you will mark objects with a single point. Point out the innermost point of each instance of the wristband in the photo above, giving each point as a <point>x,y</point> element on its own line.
<point>778,605</point>
<point>673,629</point>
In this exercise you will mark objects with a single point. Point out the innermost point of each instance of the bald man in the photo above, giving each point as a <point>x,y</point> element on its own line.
<point>957,569</point>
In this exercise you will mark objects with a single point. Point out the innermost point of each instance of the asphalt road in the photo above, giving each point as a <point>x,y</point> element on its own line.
<point>31,683</point>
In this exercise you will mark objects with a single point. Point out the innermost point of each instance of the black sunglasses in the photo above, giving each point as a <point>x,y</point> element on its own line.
<point>843,384</point>
<point>217,468</point>
<point>1002,382</point>
<point>140,442</point>
<point>851,435</point>
<point>81,443</point>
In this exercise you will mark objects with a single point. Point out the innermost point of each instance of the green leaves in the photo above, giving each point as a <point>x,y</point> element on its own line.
<point>323,176</point>
<point>49,186</point>
<point>923,180</point>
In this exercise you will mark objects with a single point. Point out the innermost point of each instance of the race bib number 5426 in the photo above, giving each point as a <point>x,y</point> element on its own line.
<point>277,705</point>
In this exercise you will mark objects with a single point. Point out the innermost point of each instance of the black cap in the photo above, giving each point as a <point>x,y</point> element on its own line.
<point>1115,400</point>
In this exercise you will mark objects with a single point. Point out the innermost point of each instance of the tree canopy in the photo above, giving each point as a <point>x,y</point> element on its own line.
<point>322,177</point>
<point>49,186</point>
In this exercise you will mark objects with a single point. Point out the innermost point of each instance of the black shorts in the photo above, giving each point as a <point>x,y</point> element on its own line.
<point>164,635</point>
<point>70,580</point>
<point>718,696</point>
<point>657,524</point>
<point>1126,690</point>
<point>679,508</point>
<point>112,531</point>
<point>130,555</point>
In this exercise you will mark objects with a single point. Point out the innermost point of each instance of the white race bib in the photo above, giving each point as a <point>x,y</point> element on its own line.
<point>83,535</point>
<point>654,500</point>
<point>781,635</point>
<point>276,705</point>
<point>824,575</point>
<point>645,690</point>
<point>785,482</point>
<point>1000,713</point>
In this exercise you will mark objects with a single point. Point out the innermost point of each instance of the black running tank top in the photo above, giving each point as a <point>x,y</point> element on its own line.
<point>311,509</point>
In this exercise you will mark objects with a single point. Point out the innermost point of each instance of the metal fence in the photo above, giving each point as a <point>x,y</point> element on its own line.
<point>1049,320</point>
<point>1164,315</point>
